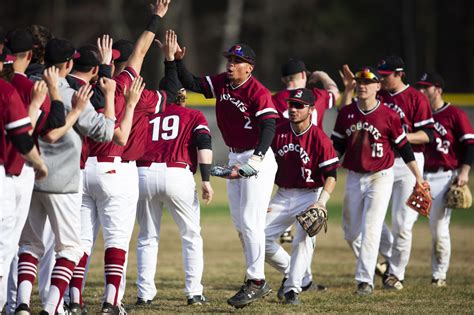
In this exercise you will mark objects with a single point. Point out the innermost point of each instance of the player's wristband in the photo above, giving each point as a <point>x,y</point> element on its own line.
<point>153,24</point>
<point>205,171</point>
<point>324,197</point>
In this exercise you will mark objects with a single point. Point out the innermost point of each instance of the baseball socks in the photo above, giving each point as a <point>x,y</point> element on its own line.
<point>75,287</point>
<point>27,269</point>
<point>60,278</point>
<point>114,261</point>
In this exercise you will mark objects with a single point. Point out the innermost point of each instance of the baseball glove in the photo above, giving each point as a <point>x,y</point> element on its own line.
<point>229,172</point>
<point>458,197</point>
<point>313,219</point>
<point>420,199</point>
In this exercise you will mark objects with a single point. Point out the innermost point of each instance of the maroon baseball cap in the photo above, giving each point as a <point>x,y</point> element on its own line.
<point>428,79</point>
<point>391,64</point>
<point>241,51</point>
<point>304,96</point>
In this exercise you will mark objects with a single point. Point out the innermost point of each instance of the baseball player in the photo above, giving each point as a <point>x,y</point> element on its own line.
<point>306,174</point>
<point>448,159</point>
<point>178,139</point>
<point>15,125</point>
<point>295,76</point>
<point>246,118</point>
<point>59,196</point>
<point>417,121</point>
<point>366,130</point>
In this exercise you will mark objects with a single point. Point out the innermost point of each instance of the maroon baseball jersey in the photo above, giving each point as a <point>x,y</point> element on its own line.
<point>454,131</point>
<point>413,108</point>
<point>324,101</point>
<point>14,119</point>
<point>368,137</point>
<point>151,102</point>
<point>171,134</point>
<point>302,158</point>
<point>239,109</point>
<point>14,162</point>
<point>123,79</point>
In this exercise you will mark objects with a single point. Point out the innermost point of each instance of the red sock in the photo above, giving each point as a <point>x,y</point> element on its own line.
<point>60,277</point>
<point>75,286</point>
<point>27,269</point>
<point>113,268</point>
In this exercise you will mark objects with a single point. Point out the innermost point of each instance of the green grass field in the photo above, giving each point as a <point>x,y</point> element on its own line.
<point>333,265</point>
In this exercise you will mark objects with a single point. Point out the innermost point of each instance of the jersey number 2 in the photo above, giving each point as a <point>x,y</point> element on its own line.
<point>166,129</point>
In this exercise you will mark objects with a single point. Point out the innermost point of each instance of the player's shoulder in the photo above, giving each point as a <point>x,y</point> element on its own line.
<point>319,92</point>
<point>281,95</point>
<point>257,87</point>
<point>283,127</point>
<point>348,108</point>
<point>385,110</point>
<point>6,88</point>
<point>455,111</point>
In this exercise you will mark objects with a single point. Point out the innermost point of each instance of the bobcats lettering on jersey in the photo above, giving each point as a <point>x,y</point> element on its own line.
<point>238,103</point>
<point>364,126</point>
<point>290,147</point>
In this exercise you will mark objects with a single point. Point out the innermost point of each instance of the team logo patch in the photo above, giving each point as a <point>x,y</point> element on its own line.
<point>424,77</point>
<point>299,94</point>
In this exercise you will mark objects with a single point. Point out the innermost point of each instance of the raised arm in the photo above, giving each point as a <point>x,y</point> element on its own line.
<point>188,80</point>
<point>328,83</point>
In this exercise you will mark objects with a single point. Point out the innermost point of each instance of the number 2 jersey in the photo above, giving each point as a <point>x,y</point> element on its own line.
<point>368,137</point>
<point>454,131</point>
<point>302,158</point>
<point>239,109</point>
<point>171,135</point>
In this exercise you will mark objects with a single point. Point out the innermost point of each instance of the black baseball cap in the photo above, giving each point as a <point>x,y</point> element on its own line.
<point>241,51</point>
<point>124,48</point>
<point>6,56</point>
<point>293,66</point>
<point>59,51</point>
<point>304,96</point>
<point>391,64</point>
<point>367,73</point>
<point>428,79</point>
<point>88,56</point>
<point>19,41</point>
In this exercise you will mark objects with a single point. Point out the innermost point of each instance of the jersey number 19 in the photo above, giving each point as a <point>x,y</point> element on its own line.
<point>166,129</point>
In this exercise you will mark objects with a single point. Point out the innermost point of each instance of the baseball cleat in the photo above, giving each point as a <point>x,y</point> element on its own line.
<point>108,308</point>
<point>392,283</point>
<point>291,297</point>
<point>23,309</point>
<point>77,309</point>
<point>381,268</point>
<point>197,300</point>
<point>439,283</point>
<point>286,237</point>
<point>314,287</point>
<point>364,288</point>
<point>281,293</point>
<point>143,302</point>
<point>249,293</point>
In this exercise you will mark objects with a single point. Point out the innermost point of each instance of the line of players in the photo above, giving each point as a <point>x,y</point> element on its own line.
<point>157,169</point>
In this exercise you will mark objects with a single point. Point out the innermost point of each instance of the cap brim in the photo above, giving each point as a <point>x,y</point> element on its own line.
<point>424,83</point>
<point>227,55</point>
<point>76,55</point>
<point>115,54</point>
<point>385,71</point>
<point>9,59</point>
<point>297,100</point>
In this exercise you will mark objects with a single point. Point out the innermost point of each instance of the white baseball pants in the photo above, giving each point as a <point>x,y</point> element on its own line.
<point>285,205</point>
<point>175,189</point>
<point>366,199</point>
<point>248,202</point>
<point>440,217</point>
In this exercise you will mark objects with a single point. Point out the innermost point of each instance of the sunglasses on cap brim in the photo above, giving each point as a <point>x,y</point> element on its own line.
<point>366,75</point>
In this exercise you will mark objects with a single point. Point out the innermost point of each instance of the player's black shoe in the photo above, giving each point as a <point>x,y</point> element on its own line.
<point>108,308</point>
<point>291,297</point>
<point>248,293</point>
<point>314,287</point>
<point>197,300</point>
<point>280,293</point>
<point>77,309</point>
<point>364,288</point>
<point>22,309</point>
<point>143,302</point>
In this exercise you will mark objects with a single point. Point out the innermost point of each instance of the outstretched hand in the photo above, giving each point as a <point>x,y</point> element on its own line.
<point>160,7</point>
<point>104,44</point>
<point>347,77</point>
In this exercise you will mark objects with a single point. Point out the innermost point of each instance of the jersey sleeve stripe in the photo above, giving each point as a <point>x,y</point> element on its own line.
<point>158,103</point>
<point>328,162</point>
<point>423,122</point>
<point>400,138</point>
<point>467,136</point>
<point>129,73</point>
<point>331,100</point>
<point>18,123</point>
<point>338,135</point>
<point>266,110</point>
<point>202,127</point>
<point>209,81</point>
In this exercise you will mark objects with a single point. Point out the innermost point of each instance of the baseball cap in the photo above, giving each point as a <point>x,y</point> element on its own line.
<point>428,79</point>
<point>6,56</point>
<point>304,96</point>
<point>241,51</point>
<point>88,56</point>
<point>293,66</point>
<point>19,41</point>
<point>123,48</point>
<point>368,73</point>
<point>59,51</point>
<point>391,64</point>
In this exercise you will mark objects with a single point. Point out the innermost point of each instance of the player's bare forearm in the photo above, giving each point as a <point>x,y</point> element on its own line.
<point>122,132</point>
<point>38,164</point>
<point>329,184</point>
<point>418,137</point>
<point>204,156</point>
<point>346,98</point>
<point>463,176</point>
<point>413,166</point>
<point>329,84</point>
<point>109,108</point>
<point>57,133</point>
